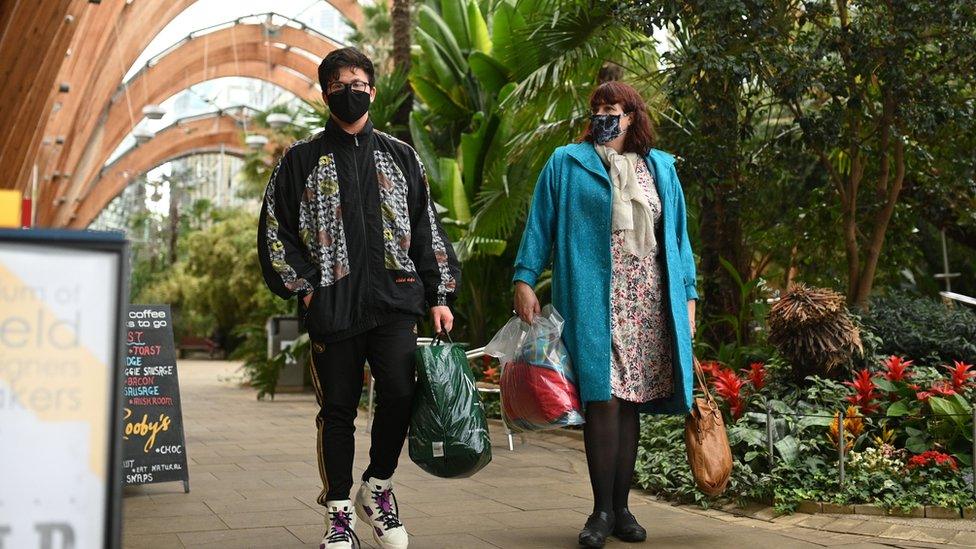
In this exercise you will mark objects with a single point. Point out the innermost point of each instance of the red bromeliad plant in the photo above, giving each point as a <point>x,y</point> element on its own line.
<point>864,392</point>
<point>940,388</point>
<point>896,369</point>
<point>757,375</point>
<point>710,367</point>
<point>961,375</point>
<point>729,386</point>
<point>932,416</point>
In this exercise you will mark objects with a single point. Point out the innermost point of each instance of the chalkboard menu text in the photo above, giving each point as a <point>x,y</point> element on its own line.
<point>154,447</point>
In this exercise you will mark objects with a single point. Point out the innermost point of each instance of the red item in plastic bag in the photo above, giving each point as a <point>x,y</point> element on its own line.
<point>535,394</point>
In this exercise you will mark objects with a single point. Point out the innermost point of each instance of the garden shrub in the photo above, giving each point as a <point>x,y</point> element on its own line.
<point>922,329</point>
<point>907,435</point>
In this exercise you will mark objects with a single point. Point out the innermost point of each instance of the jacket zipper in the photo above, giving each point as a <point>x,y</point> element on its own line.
<point>362,217</point>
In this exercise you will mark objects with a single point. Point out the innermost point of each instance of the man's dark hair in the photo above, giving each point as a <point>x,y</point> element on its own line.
<point>341,59</point>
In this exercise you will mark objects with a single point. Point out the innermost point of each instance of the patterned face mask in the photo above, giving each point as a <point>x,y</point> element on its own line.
<point>605,127</point>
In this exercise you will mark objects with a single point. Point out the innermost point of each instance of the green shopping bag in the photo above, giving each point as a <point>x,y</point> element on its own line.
<point>448,430</point>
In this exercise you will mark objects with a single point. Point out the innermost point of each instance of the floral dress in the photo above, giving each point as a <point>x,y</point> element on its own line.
<point>640,332</point>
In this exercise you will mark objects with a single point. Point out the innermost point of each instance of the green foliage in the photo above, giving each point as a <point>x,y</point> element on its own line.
<point>922,328</point>
<point>881,466</point>
<point>260,371</point>
<point>815,111</point>
<point>217,285</point>
<point>374,36</point>
<point>499,86</point>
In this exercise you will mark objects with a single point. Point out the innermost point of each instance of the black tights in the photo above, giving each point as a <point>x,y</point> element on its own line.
<point>610,436</point>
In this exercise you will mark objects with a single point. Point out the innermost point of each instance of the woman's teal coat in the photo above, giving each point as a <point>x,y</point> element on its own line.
<point>570,221</point>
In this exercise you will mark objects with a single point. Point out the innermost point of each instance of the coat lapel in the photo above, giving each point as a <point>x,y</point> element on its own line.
<point>660,164</point>
<point>586,156</point>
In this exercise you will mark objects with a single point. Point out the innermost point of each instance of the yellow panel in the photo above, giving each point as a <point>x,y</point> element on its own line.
<point>10,207</point>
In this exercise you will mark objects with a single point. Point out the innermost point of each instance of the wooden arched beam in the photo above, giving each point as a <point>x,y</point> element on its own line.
<point>240,50</point>
<point>180,139</point>
<point>34,38</point>
<point>111,35</point>
<point>116,33</point>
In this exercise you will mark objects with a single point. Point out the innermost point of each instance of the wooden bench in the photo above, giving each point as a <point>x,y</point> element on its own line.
<point>200,344</point>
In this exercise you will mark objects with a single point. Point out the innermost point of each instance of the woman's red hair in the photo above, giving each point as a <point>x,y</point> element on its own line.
<point>640,135</point>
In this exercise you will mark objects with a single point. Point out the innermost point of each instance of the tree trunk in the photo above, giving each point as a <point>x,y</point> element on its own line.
<point>720,213</point>
<point>401,22</point>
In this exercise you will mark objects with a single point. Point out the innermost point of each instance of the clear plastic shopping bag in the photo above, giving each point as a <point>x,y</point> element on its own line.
<point>538,388</point>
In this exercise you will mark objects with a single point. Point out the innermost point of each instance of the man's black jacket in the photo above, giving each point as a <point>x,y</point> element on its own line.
<point>349,218</point>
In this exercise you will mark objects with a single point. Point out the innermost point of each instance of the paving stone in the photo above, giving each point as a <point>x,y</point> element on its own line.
<point>156,541</point>
<point>168,525</point>
<point>967,539</point>
<point>899,531</point>
<point>871,528</point>
<point>255,519</point>
<point>462,523</point>
<point>449,541</point>
<point>816,521</point>
<point>220,506</point>
<point>531,538</point>
<point>253,537</point>
<point>161,510</point>
<point>843,525</point>
<point>789,519</point>
<point>480,507</point>
<point>528,519</point>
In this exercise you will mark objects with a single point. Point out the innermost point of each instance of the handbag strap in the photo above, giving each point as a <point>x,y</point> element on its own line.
<point>700,375</point>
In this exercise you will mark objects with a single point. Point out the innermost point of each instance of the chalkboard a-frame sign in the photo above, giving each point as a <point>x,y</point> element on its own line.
<point>153,443</point>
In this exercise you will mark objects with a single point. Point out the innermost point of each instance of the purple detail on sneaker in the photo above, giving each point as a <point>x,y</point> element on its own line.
<point>386,502</point>
<point>341,527</point>
<point>369,511</point>
<point>379,532</point>
<point>383,500</point>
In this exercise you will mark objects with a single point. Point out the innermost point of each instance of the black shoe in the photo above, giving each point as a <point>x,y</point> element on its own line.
<point>597,528</point>
<point>626,527</point>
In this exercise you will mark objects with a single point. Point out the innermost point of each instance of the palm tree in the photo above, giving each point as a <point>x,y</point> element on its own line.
<point>402,21</point>
<point>499,86</point>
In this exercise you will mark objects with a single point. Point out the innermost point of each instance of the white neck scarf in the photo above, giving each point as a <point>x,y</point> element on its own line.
<point>631,210</point>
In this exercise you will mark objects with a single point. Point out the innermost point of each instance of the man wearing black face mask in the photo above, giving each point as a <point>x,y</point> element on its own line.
<point>348,226</point>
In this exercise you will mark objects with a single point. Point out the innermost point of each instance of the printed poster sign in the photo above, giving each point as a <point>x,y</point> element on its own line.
<point>61,301</point>
<point>153,445</point>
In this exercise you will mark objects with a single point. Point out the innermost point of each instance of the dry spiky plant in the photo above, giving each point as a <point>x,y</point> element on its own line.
<point>812,329</point>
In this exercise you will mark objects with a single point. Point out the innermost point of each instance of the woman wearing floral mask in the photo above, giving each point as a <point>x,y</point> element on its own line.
<point>610,213</point>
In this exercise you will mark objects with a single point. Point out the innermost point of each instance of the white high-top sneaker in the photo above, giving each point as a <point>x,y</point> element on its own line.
<point>342,526</point>
<point>376,504</point>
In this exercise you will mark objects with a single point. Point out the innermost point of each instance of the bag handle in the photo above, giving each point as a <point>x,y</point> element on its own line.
<point>438,338</point>
<point>700,375</point>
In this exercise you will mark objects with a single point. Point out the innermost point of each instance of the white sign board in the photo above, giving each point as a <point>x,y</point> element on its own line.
<point>60,326</point>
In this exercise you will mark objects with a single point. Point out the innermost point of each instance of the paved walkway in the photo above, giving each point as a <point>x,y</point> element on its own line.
<point>253,482</point>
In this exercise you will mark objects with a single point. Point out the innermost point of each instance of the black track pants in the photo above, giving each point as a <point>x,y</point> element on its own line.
<point>337,374</point>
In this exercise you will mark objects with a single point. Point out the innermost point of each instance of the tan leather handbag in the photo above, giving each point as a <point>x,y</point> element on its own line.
<point>709,454</point>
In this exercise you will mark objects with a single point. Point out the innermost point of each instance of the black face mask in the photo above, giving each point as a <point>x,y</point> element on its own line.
<point>348,105</point>
<point>605,127</point>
